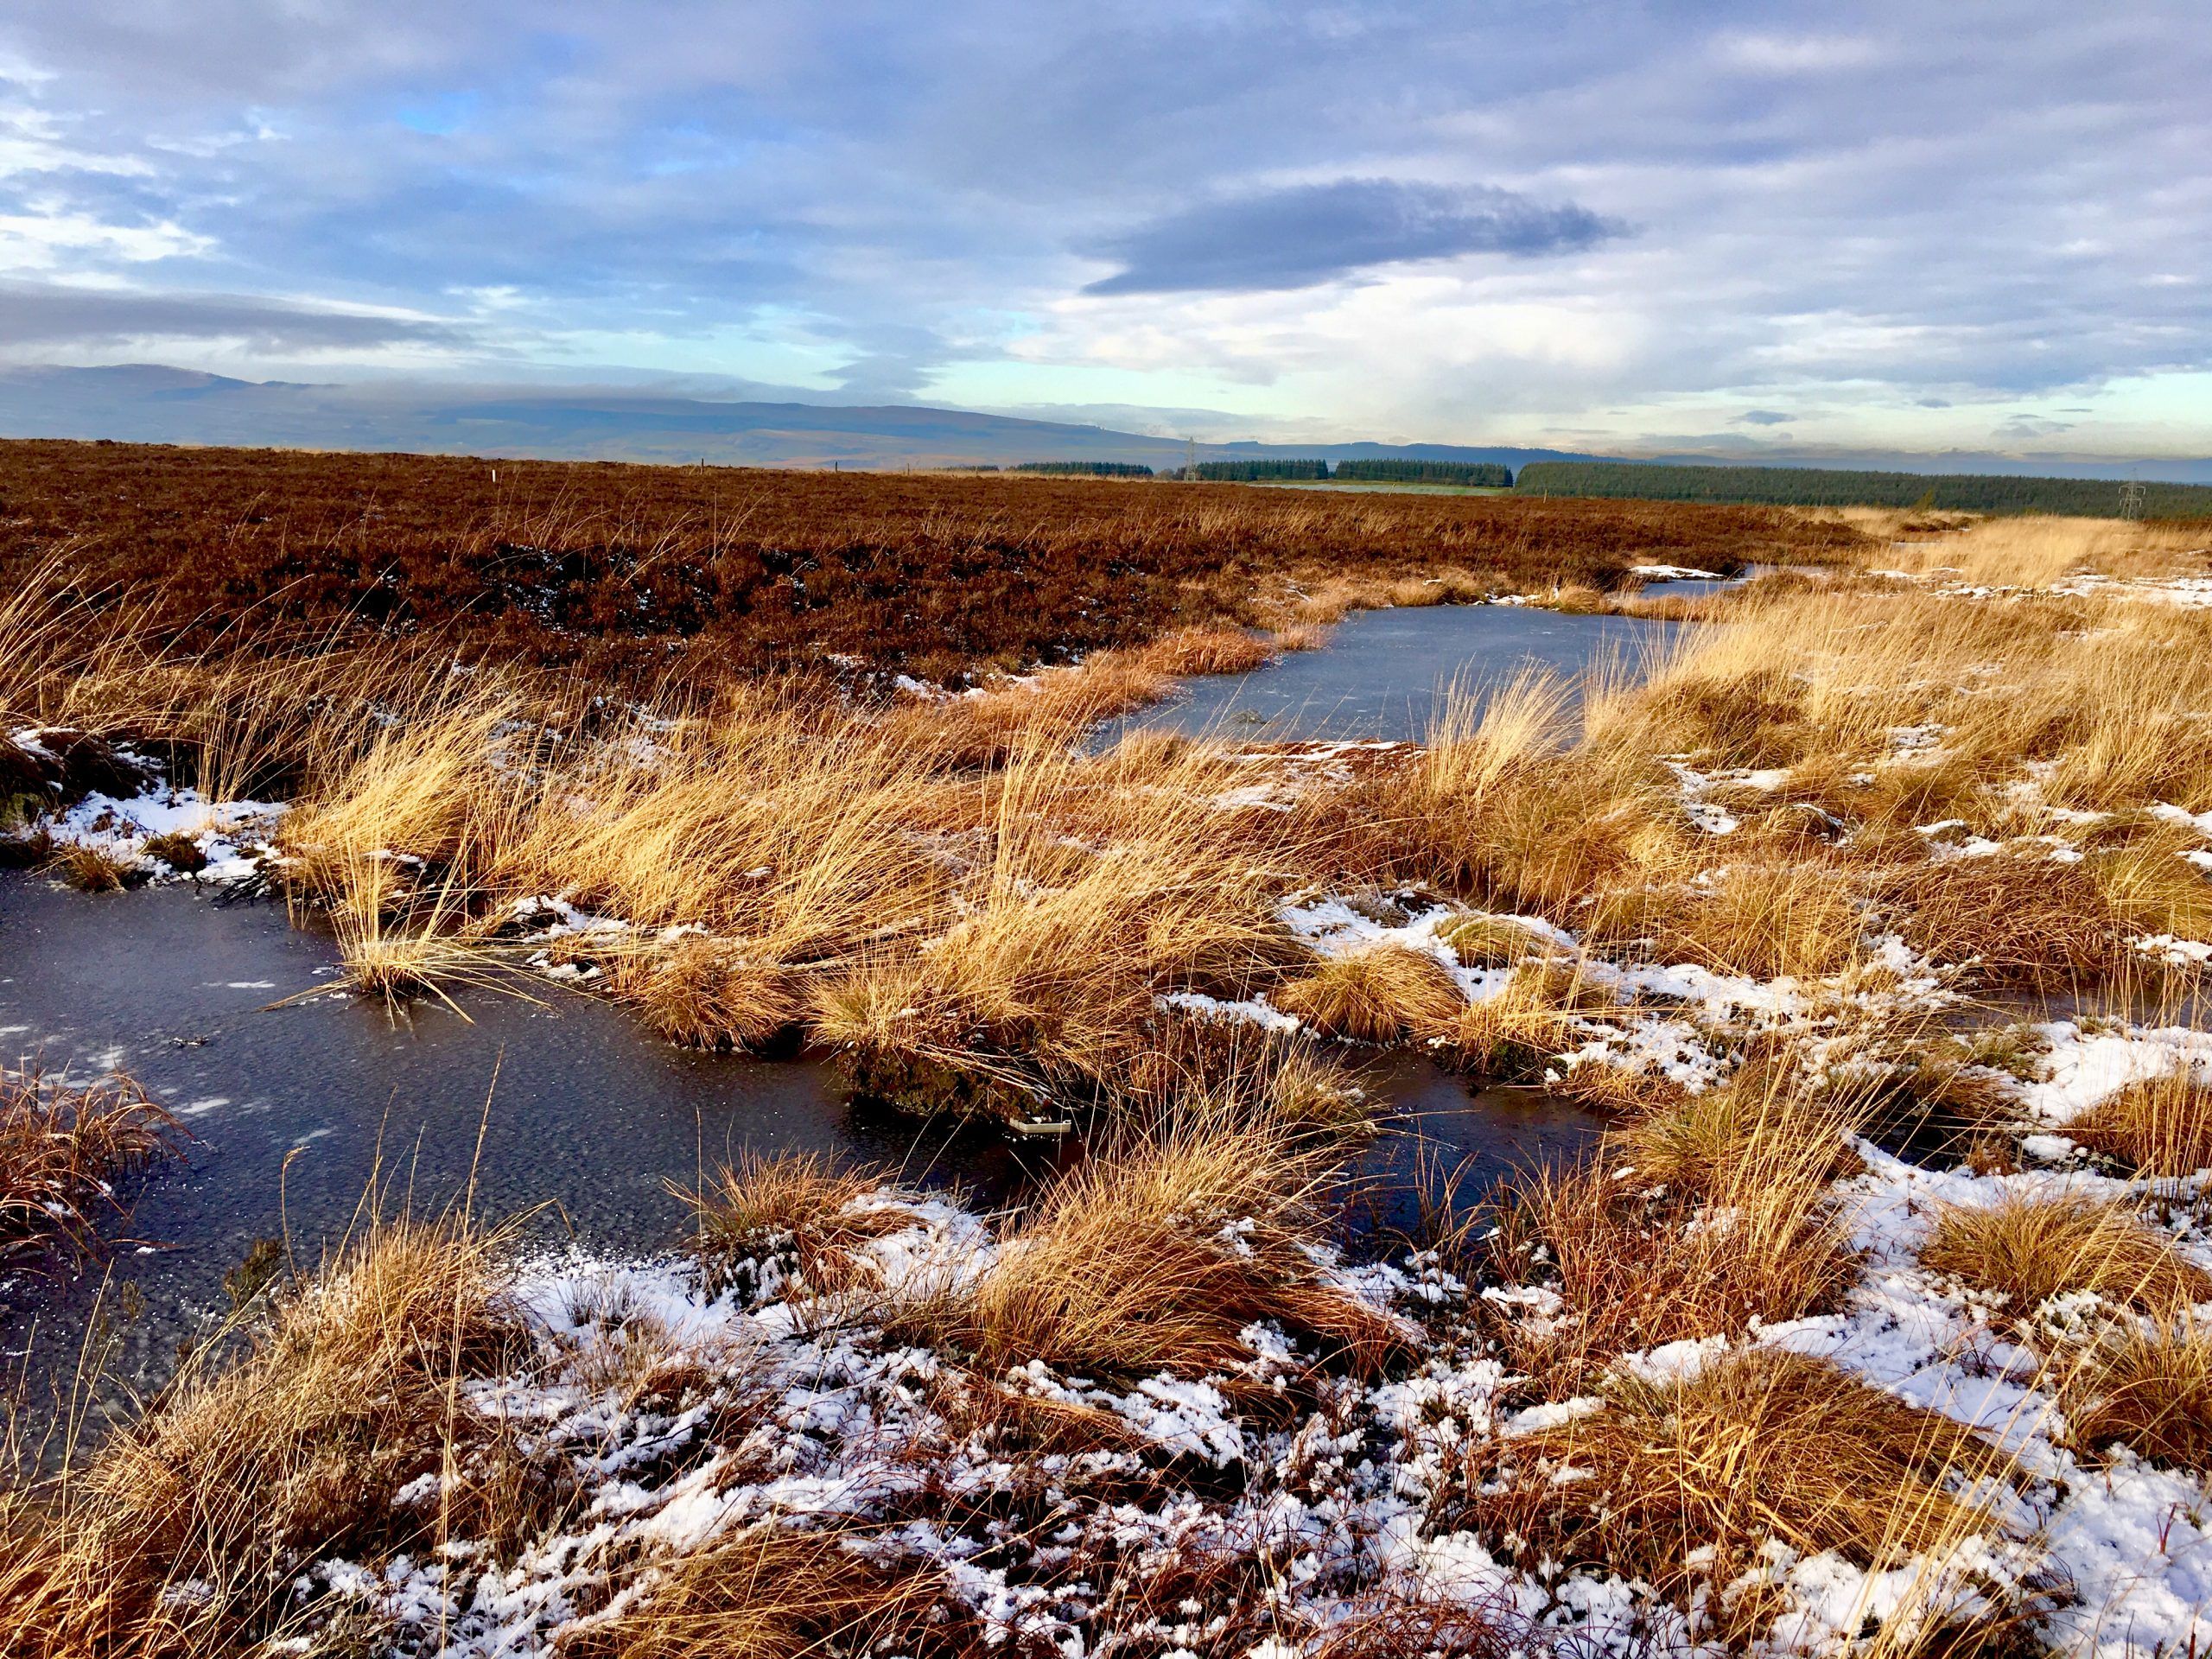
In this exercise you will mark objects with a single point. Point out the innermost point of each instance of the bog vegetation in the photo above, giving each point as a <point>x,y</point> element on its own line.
<point>651,572</point>
<point>1874,918</point>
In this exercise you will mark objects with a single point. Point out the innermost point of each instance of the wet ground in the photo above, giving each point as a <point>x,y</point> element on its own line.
<point>306,1116</point>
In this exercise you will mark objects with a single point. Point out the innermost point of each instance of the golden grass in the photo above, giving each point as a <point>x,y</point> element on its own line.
<point>1514,1031</point>
<point>238,1477</point>
<point>2037,549</point>
<point>1123,1266</point>
<point>1725,1137</point>
<point>796,1204</point>
<point>1757,918</point>
<point>708,992</point>
<point>62,1148</point>
<point>2159,1128</point>
<point>1186,652</point>
<point>1761,1445</point>
<point>1480,940</point>
<point>1383,993</point>
<point>89,867</point>
<point>2150,1391</point>
<point>772,1591</point>
<point>1747,1235</point>
<point>2027,1249</point>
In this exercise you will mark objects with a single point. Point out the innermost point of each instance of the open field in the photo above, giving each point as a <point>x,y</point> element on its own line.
<point>1875,917</point>
<point>665,569</point>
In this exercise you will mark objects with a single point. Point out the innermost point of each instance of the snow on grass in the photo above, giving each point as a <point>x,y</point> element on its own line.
<point>1287,1498</point>
<point>228,840</point>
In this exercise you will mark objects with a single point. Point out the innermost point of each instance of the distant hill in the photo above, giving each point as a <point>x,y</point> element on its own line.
<point>151,403</point>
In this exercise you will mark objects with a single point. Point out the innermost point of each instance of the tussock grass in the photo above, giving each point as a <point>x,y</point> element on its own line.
<point>89,867</point>
<point>1762,1444</point>
<point>1748,1234</point>
<point>237,1477</point>
<point>1725,1137</point>
<point>2020,920</point>
<point>1479,940</point>
<point>1758,918</point>
<point>1514,1031</point>
<point>1156,1257</point>
<point>796,1204</point>
<point>2028,1248</point>
<point>62,1147</point>
<point>1186,651</point>
<point>1382,994</point>
<point>708,993</point>
<point>774,1591</point>
<point>2036,549</point>
<point>2160,1127</point>
<point>2149,1390</point>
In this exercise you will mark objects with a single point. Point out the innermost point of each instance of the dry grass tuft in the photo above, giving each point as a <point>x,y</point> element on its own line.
<point>1480,940</point>
<point>1515,1032</point>
<point>1761,1445</point>
<point>795,1206</point>
<point>1186,651</point>
<point>2149,1391</point>
<point>771,1591</point>
<point>237,1478</point>
<point>1385,993</point>
<point>1707,1143</point>
<point>2160,1127</point>
<point>1759,919</point>
<point>2021,920</point>
<point>61,1149</point>
<point>1156,1257</point>
<point>708,992</point>
<point>2027,1249</point>
<point>1749,1235</point>
<point>89,867</point>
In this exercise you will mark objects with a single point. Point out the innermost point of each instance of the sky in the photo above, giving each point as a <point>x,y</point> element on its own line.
<point>1979,225</point>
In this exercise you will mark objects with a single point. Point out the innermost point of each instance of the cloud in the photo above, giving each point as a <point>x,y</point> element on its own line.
<point>2032,426</point>
<point>1763,417</point>
<point>34,315</point>
<point>1896,242</point>
<point>1306,234</point>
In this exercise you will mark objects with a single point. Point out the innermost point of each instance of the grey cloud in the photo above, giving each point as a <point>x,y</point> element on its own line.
<point>673,178</point>
<point>1309,233</point>
<point>50,315</point>
<point>1763,417</point>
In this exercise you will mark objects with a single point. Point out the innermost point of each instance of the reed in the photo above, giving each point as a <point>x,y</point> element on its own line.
<point>63,1148</point>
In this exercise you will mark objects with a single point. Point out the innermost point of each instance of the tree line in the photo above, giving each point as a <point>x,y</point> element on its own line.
<point>1475,475</point>
<point>1808,486</point>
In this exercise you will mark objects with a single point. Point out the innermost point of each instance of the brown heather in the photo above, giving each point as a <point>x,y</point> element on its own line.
<point>609,565</point>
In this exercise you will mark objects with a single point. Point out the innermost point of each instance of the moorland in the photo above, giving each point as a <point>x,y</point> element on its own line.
<point>1871,915</point>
